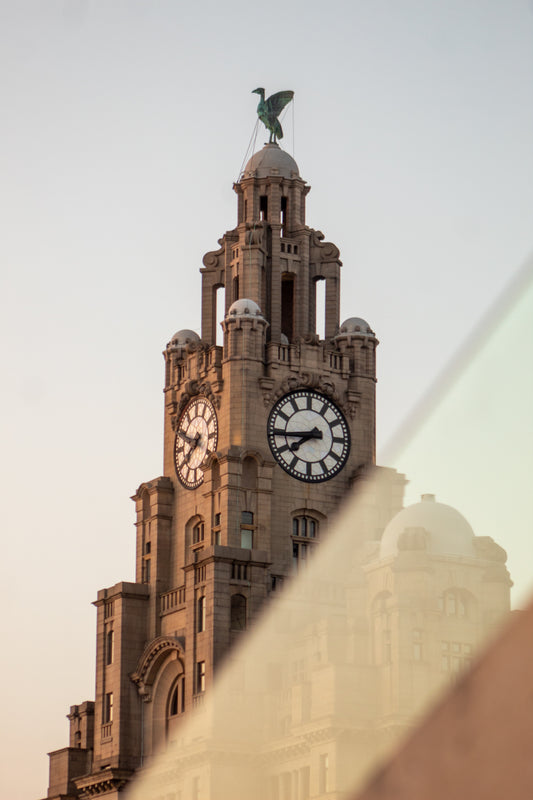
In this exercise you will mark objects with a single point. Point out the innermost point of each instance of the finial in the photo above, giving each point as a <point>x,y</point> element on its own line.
<point>269,110</point>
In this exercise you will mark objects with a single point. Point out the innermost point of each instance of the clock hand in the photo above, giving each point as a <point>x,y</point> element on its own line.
<point>312,434</point>
<point>189,439</point>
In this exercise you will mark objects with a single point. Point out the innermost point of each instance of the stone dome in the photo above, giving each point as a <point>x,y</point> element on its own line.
<point>449,532</point>
<point>244,308</point>
<point>183,338</point>
<point>356,325</point>
<point>271,160</point>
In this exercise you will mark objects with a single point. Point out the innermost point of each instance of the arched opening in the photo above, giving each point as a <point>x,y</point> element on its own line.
<point>220,305</point>
<point>175,707</point>
<point>459,603</point>
<point>283,220</point>
<point>320,308</point>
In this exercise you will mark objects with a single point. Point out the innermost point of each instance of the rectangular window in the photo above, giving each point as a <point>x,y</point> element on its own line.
<point>247,518</point>
<point>217,537</point>
<point>195,788</point>
<point>200,676</point>
<point>323,773</point>
<point>146,570</point>
<point>198,533</point>
<point>304,783</point>
<point>108,708</point>
<point>200,611</point>
<point>217,520</point>
<point>285,786</point>
<point>147,548</point>
<point>247,538</point>
<point>109,642</point>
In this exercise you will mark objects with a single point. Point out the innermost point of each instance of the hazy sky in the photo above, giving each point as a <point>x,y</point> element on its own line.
<point>125,123</point>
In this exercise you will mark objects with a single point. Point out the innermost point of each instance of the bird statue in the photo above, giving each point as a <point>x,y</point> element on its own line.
<point>269,110</point>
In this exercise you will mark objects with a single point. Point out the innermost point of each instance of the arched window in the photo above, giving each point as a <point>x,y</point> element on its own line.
<point>238,612</point>
<point>195,532</point>
<point>457,603</point>
<point>176,703</point>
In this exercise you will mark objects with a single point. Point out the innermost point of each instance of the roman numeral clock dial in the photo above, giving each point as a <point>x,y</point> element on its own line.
<point>308,436</point>
<point>196,437</point>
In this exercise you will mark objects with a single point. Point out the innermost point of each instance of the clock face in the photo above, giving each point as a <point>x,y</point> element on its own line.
<point>196,436</point>
<point>308,436</point>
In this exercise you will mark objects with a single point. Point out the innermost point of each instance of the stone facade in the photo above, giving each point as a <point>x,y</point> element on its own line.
<point>227,524</point>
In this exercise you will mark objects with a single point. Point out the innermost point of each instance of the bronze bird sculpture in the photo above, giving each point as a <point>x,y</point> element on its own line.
<point>269,110</point>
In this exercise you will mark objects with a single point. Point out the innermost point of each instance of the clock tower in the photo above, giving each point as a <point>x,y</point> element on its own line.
<point>264,436</point>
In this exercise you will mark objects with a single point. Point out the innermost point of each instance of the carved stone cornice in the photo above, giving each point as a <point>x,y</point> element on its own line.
<point>102,783</point>
<point>154,654</point>
<point>193,389</point>
<point>272,390</point>
<point>214,258</point>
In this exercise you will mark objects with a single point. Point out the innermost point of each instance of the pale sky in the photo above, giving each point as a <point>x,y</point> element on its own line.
<point>125,124</point>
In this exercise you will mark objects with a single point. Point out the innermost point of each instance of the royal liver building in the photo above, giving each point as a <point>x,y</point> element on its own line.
<point>265,435</point>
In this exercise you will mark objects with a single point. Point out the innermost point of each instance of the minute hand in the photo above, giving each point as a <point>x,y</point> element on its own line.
<point>312,434</point>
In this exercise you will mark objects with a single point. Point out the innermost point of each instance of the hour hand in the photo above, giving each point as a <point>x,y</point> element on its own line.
<point>304,437</point>
<point>190,439</point>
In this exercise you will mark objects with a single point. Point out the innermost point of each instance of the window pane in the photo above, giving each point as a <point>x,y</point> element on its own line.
<point>247,518</point>
<point>312,528</point>
<point>303,526</point>
<point>295,527</point>
<point>246,539</point>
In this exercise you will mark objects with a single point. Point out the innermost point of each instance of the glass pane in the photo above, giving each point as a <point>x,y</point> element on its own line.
<point>246,539</point>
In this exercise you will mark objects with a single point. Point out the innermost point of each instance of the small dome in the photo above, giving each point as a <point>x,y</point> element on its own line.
<point>356,325</point>
<point>183,338</point>
<point>449,532</point>
<point>271,160</point>
<point>244,308</point>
